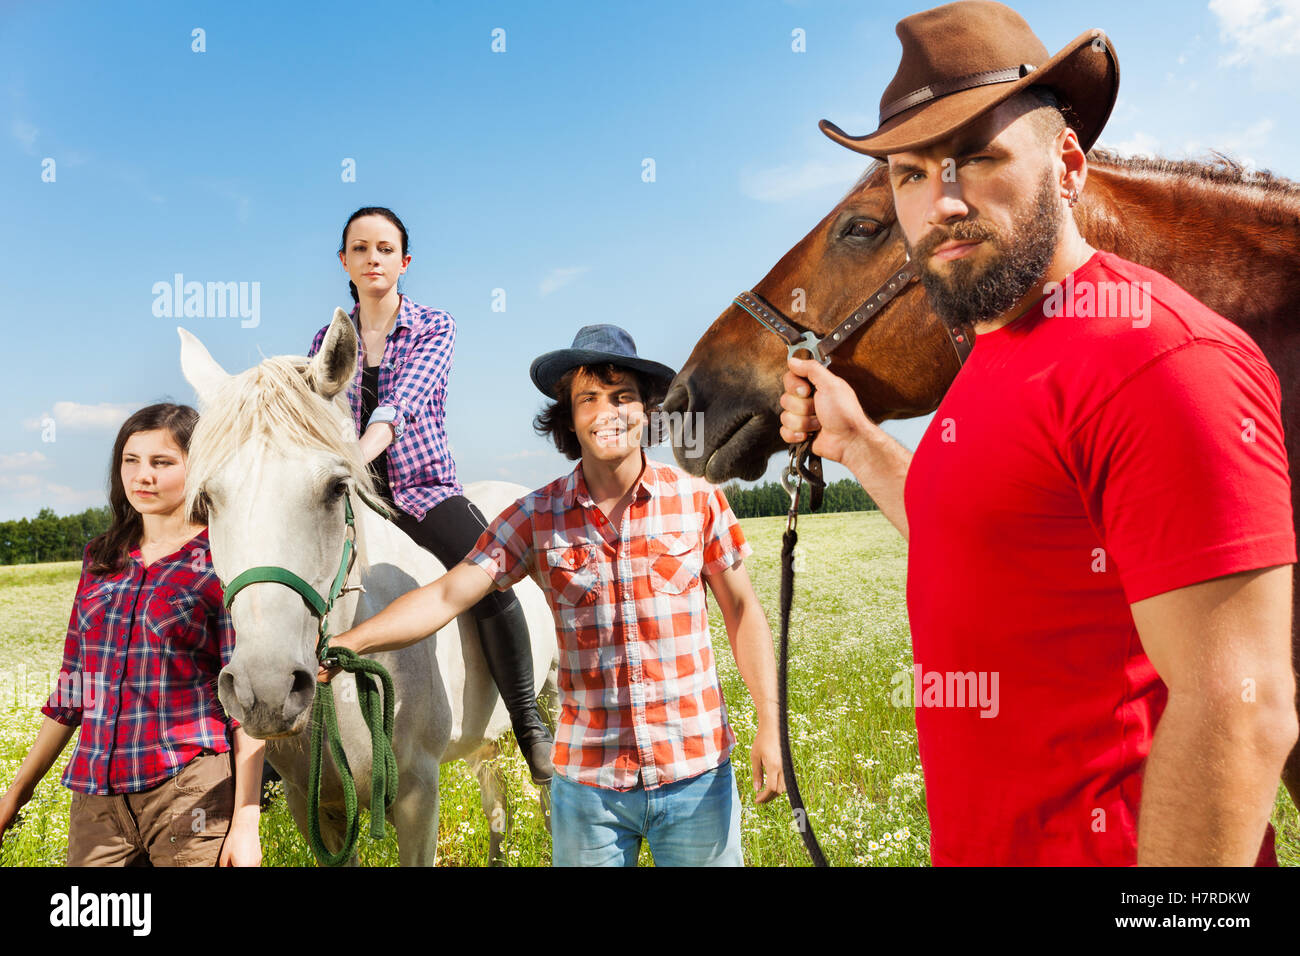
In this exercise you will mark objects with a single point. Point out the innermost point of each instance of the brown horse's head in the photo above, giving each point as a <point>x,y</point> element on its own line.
<point>900,363</point>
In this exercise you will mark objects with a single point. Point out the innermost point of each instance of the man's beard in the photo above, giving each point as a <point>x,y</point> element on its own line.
<point>1019,261</point>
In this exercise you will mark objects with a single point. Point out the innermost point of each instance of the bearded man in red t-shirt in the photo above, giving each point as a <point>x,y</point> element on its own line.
<point>1098,517</point>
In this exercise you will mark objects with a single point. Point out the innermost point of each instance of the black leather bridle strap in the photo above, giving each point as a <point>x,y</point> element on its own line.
<point>893,286</point>
<point>758,307</point>
<point>821,347</point>
<point>961,335</point>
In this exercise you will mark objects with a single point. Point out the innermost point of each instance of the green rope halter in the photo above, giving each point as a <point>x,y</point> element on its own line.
<point>376,710</point>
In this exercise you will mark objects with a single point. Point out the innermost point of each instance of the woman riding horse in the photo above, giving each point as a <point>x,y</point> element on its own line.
<point>399,404</point>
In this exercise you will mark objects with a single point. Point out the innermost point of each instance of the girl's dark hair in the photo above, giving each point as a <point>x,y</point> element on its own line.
<point>111,550</point>
<point>371,211</point>
<point>556,419</point>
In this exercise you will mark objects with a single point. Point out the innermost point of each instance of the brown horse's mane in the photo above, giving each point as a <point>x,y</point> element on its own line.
<point>871,170</point>
<point>1216,169</point>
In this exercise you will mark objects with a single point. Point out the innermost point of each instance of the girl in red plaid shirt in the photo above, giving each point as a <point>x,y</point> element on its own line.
<point>152,774</point>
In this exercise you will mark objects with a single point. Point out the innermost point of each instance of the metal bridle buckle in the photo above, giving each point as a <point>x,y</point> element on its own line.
<point>810,341</point>
<point>792,482</point>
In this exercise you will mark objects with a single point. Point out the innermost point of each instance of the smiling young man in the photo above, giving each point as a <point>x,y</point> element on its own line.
<point>622,548</point>
<point>1108,492</point>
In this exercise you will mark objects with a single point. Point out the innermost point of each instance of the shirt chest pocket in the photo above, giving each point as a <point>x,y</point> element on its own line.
<point>573,574</point>
<point>95,603</point>
<point>675,563</point>
<point>171,618</point>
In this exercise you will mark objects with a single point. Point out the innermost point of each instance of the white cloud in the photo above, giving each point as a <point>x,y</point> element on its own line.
<point>27,494</point>
<point>23,461</point>
<point>1255,29</point>
<point>1239,144</point>
<point>780,183</point>
<point>1139,144</point>
<point>78,417</point>
<point>137,179</point>
<point>19,484</point>
<point>530,453</point>
<point>25,133</point>
<point>559,278</point>
<point>231,192</point>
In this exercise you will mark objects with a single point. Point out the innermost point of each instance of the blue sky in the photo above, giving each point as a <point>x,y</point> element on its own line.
<point>518,170</point>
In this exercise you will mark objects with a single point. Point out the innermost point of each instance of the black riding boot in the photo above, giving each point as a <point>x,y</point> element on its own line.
<point>504,637</point>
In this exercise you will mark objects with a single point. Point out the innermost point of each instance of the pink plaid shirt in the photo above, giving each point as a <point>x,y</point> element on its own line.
<point>639,694</point>
<point>413,399</point>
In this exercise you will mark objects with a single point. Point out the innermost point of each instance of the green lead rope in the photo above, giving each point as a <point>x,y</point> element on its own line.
<point>377,712</point>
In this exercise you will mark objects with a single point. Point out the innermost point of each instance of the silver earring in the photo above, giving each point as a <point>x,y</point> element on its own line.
<point>1074,197</point>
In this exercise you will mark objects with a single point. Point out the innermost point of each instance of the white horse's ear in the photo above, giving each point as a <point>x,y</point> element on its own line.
<point>199,367</point>
<point>333,367</point>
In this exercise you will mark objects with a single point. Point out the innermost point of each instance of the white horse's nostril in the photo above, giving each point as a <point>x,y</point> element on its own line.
<point>300,694</point>
<point>243,691</point>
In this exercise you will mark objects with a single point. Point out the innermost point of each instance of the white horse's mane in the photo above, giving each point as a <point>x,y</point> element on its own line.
<point>272,404</point>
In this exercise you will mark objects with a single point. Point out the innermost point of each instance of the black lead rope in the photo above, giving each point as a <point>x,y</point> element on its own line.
<point>794,473</point>
<point>805,466</point>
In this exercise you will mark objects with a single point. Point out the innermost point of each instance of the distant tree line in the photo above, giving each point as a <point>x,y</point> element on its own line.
<point>47,537</point>
<point>770,498</point>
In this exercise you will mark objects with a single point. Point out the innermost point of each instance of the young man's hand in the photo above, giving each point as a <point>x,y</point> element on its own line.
<point>415,615</point>
<point>765,758</point>
<point>325,674</point>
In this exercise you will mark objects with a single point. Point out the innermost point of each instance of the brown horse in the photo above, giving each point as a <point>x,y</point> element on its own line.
<point>1229,237</point>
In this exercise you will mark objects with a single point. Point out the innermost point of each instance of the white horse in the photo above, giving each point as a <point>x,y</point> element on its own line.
<point>273,456</point>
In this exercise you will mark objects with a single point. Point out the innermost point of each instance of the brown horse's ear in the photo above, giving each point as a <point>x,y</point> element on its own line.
<point>333,367</point>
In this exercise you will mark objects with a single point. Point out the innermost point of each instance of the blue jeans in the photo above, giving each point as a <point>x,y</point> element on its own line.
<point>691,822</point>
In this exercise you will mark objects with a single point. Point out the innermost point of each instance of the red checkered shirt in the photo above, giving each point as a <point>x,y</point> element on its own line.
<point>139,673</point>
<point>639,693</point>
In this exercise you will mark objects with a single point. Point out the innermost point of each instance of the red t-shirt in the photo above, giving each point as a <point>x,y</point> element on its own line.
<point>1079,463</point>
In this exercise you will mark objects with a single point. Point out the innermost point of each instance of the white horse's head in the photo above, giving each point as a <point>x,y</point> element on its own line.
<point>273,458</point>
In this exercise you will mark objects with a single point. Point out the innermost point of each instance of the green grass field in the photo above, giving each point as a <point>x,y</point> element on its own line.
<point>855,753</point>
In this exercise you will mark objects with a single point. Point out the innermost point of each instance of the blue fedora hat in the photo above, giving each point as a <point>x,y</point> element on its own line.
<point>594,345</point>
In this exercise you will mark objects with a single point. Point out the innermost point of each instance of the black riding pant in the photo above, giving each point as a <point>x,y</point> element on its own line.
<point>449,530</point>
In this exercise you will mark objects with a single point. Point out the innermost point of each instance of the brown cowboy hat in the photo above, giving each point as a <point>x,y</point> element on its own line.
<point>963,59</point>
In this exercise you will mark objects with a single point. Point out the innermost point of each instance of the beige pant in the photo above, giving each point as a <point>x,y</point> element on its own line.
<point>181,822</point>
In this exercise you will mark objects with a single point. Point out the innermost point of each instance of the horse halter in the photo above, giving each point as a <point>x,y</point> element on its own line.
<point>321,606</point>
<point>802,461</point>
<point>960,334</point>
